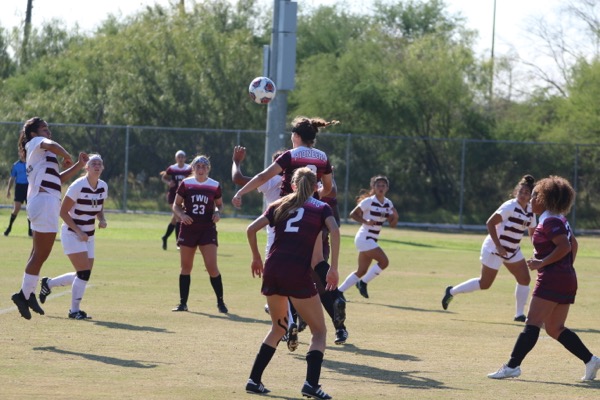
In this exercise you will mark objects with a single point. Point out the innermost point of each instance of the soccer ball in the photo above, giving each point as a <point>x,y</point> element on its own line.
<point>262,90</point>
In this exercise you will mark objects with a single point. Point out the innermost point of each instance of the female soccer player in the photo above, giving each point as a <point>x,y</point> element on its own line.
<point>298,219</point>
<point>197,205</point>
<point>372,211</point>
<point>82,205</point>
<point>172,177</point>
<point>43,202</point>
<point>555,249</point>
<point>506,227</point>
<point>304,154</point>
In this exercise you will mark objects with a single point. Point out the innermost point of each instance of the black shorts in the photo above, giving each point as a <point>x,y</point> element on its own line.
<point>21,192</point>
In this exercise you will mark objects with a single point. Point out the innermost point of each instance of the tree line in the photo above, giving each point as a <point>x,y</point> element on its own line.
<point>407,69</point>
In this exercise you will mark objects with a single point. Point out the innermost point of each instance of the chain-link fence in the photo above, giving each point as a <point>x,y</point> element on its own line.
<point>453,183</point>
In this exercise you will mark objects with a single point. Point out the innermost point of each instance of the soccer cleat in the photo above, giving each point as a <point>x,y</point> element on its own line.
<point>520,318</point>
<point>447,298</point>
<point>22,304</point>
<point>256,387</point>
<point>44,290</point>
<point>339,312</point>
<point>591,369</point>
<point>180,307</point>
<point>301,323</point>
<point>506,372</point>
<point>33,304</point>
<point>222,307</point>
<point>316,392</point>
<point>292,342</point>
<point>267,309</point>
<point>164,240</point>
<point>6,232</point>
<point>79,315</point>
<point>341,335</point>
<point>362,288</point>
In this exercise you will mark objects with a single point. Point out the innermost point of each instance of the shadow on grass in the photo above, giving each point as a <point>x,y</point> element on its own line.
<point>427,310</point>
<point>103,359</point>
<point>120,325</point>
<point>348,347</point>
<point>404,379</point>
<point>129,327</point>
<point>595,385</point>
<point>232,317</point>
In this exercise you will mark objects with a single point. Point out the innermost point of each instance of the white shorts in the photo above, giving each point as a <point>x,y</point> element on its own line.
<point>43,211</point>
<point>363,244</point>
<point>490,259</point>
<point>72,245</point>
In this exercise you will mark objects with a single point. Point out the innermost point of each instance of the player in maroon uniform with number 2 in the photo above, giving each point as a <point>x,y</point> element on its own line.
<point>197,206</point>
<point>298,219</point>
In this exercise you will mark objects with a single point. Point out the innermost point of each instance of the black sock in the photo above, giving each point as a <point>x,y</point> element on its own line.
<point>265,353</point>
<point>327,297</point>
<point>184,288</point>
<point>314,359</point>
<point>571,341</point>
<point>525,342</point>
<point>217,285</point>
<point>12,219</point>
<point>170,230</point>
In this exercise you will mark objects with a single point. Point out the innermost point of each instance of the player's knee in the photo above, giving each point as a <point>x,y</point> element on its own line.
<point>84,275</point>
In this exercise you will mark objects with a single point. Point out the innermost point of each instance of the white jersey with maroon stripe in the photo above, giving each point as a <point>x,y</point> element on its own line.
<point>88,203</point>
<point>42,169</point>
<point>515,221</point>
<point>376,211</point>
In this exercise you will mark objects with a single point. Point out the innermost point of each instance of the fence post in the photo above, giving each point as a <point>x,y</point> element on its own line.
<point>126,169</point>
<point>575,177</point>
<point>462,182</point>
<point>347,177</point>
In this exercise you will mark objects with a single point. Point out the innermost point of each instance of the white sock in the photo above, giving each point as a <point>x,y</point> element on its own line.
<point>372,273</point>
<point>77,293</point>
<point>349,282</point>
<point>466,287</point>
<point>62,280</point>
<point>521,294</point>
<point>29,284</point>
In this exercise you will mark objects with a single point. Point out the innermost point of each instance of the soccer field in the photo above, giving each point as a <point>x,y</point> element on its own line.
<point>402,345</point>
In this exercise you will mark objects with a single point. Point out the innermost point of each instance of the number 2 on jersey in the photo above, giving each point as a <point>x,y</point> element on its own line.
<point>289,226</point>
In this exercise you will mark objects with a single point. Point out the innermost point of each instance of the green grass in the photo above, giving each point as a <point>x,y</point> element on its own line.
<point>401,344</point>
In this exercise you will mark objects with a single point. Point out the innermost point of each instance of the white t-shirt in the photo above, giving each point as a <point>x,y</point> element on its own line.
<point>374,210</point>
<point>515,222</point>
<point>42,169</point>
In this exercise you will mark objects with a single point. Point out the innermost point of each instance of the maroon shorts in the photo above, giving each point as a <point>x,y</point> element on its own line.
<point>285,278</point>
<point>171,197</point>
<point>192,236</point>
<point>558,286</point>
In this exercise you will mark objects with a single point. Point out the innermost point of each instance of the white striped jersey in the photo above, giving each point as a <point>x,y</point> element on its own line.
<point>42,169</point>
<point>374,210</point>
<point>88,203</point>
<point>515,221</point>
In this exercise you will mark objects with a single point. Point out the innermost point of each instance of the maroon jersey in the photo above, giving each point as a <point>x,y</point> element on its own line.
<point>299,157</point>
<point>287,267</point>
<point>557,281</point>
<point>199,200</point>
<point>177,175</point>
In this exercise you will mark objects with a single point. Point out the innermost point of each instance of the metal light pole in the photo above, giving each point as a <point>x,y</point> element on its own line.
<point>282,65</point>
<point>493,43</point>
